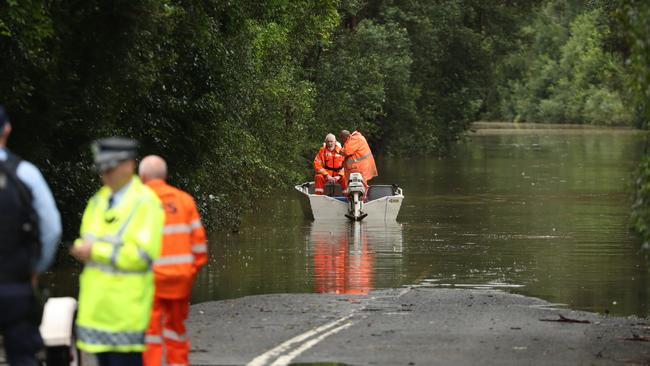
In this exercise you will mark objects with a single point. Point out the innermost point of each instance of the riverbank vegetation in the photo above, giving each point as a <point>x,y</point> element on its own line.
<point>635,17</point>
<point>237,96</point>
<point>568,69</point>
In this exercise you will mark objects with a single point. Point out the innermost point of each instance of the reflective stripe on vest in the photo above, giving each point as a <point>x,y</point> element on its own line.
<point>101,337</point>
<point>352,161</point>
<point>107,268</point>
<point>170,334</point>
<point>174,259</point>
<point>111,239</point>
<point>181,228</point>
<point>176,228</point>
<point>152,339</point>
<point>200,248</point>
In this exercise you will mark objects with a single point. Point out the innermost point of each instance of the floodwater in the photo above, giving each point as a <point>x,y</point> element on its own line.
<point>539,212</point>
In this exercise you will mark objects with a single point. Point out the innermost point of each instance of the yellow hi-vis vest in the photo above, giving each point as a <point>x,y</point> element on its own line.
<point>116,286</point>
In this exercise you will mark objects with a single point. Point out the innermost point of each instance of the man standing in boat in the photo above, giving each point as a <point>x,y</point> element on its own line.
<point>358,157</point>
<point>328,164</point>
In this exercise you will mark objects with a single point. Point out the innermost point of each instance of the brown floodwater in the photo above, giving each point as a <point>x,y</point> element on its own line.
<point>539,212</point>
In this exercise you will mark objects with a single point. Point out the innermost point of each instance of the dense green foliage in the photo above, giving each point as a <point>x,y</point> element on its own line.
<point>635,16</point>
<point>568,69</point>
<point>238,95</point>
<point>216,88</point>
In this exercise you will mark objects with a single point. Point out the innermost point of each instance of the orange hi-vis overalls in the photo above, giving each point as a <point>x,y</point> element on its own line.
<point>328,162</point>
<point>359,159</point>
<point>184,251</point>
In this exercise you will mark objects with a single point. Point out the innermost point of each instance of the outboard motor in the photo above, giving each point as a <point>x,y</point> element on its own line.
<point>356,191</point>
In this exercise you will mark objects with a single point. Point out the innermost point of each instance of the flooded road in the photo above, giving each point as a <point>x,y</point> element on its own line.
<point>540,212</point>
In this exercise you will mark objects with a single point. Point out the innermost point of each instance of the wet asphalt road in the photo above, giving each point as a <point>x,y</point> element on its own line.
<point>409,326</point>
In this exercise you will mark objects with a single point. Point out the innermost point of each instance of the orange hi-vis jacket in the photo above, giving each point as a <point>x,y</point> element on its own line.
<point>329,161</point>
<point>358,157</point>
<point>184,246</point>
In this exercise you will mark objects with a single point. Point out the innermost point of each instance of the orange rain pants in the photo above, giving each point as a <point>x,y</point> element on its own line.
<point>167,329</point>
<point>184,251</point>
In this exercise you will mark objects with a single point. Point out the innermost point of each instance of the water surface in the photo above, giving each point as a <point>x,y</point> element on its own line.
<point>540,212</point>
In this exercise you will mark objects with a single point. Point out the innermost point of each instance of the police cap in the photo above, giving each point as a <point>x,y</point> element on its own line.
<point>109,152</point>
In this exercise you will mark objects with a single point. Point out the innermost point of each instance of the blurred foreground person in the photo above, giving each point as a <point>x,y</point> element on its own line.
<point>184,251</point>
<point>328,165</point>
<point>30,228</point>
<point>120,237</point>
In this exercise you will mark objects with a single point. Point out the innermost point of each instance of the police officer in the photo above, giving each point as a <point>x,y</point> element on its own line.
<point>30,228</point>
<point>120,237</point>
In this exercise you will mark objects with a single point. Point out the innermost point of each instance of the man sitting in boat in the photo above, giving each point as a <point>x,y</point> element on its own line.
<point>328,164</point>
<point>358,157</point>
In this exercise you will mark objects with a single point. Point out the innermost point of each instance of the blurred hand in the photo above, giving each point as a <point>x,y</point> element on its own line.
<point>331,179</point>
<point>82,252</point>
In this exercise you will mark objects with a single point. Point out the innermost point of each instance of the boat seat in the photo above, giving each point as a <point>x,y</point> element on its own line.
<point>376,192</point>
<point>331,189</point>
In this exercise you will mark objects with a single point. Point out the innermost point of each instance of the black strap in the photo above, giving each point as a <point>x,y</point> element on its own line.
<point>11,165</point>
<point>10,168</point>
<point>334,169</point>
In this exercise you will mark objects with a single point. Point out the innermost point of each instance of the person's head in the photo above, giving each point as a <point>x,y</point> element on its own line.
<point>330,141</point>
<point>152,167</point>
<point>344,135</point>
<point>115,160</point>
<point>5,127</point>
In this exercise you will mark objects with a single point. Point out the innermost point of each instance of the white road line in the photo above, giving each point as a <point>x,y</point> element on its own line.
<point>319,334</point>
<point>285,359</point>
<point>284,346</point>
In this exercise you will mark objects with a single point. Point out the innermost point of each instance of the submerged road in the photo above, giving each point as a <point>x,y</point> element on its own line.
<point>410,326</point>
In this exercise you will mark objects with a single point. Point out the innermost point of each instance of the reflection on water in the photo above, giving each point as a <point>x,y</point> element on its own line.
<point>303,256</point>
<point>344,254</point>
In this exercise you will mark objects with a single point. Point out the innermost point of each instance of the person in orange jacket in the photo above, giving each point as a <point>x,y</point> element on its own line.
<point>358,157</point>
<point>184,251</point>
<point>328,165</point>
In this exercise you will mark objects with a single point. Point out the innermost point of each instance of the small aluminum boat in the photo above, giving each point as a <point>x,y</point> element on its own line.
<point>382,203</point>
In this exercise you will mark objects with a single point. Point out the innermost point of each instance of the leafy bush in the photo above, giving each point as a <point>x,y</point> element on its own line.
<point>565,74</point>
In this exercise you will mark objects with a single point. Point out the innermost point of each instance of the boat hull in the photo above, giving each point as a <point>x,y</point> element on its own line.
<point>322,207</point>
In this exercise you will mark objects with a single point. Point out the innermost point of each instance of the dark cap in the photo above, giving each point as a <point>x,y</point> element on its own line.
<point>111,151</point>
<point>4,118</point>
